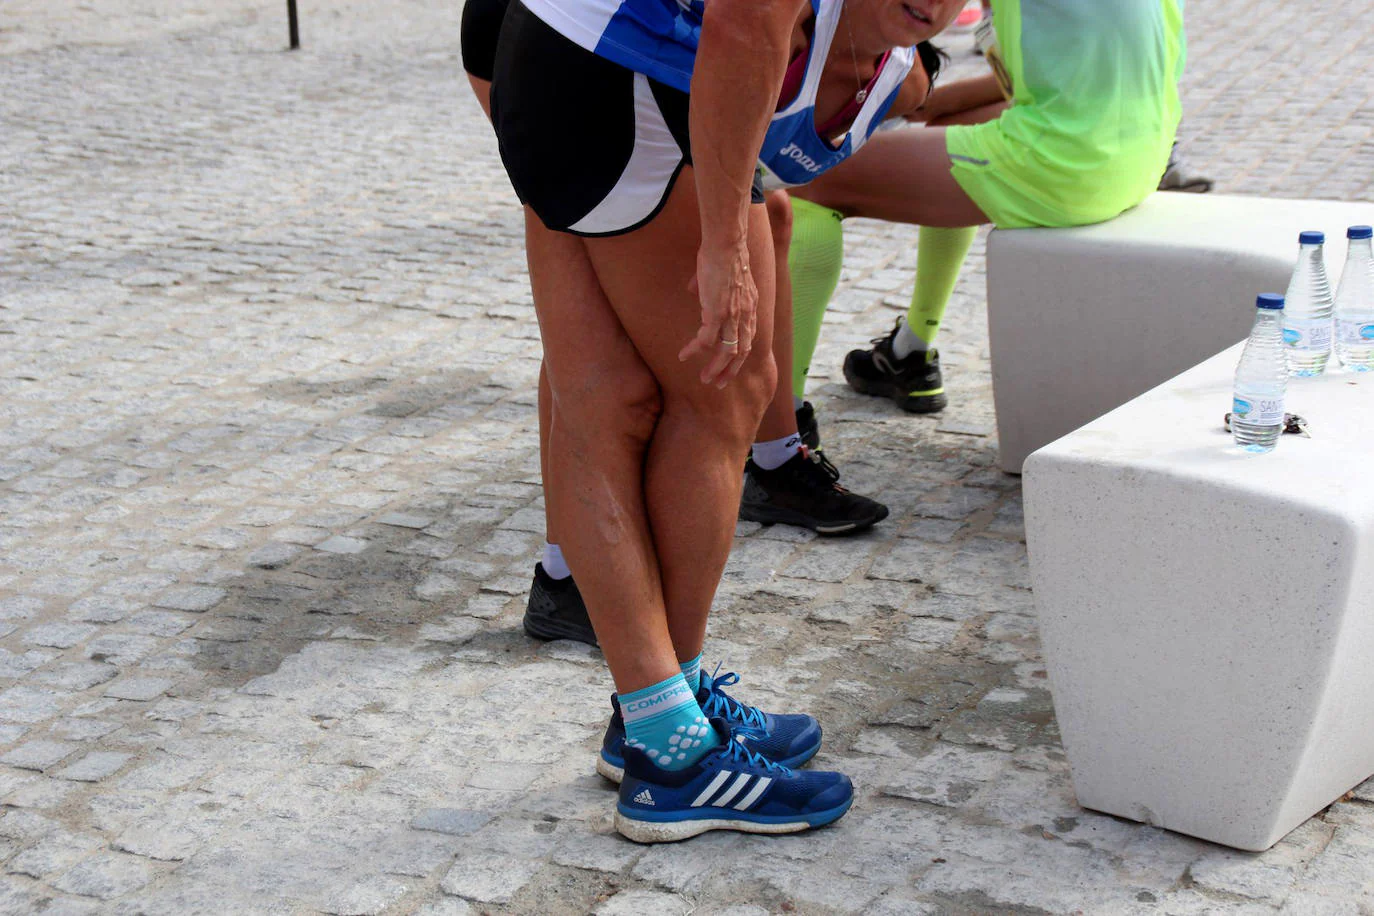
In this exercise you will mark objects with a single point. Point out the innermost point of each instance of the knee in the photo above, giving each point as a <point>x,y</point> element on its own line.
<point>622,405</point>
<point>779,206</point>
<point>761,383</point>
<point>736,410</point>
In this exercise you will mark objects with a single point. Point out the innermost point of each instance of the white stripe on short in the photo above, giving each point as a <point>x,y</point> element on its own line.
<point>644,183</point>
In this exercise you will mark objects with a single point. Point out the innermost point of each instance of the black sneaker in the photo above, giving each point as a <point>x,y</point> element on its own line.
<point>556,610</point>
<point>804,492</point>
<point>807,427</point>
<point>913,383</point>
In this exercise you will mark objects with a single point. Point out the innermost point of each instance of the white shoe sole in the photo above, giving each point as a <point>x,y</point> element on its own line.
<point>672,832</point>
<point>612,772</point>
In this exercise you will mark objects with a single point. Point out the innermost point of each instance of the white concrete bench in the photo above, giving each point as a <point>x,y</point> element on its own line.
<point>1082,320</point>
<point>1207,615</point>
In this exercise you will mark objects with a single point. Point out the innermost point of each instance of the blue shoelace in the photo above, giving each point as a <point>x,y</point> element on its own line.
<point>721,705</point>
<point>736,751</point>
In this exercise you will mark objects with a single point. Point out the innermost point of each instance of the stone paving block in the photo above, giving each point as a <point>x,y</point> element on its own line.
<point>488,878</point>
<point>102,609</point>
<point>14,665</point>
<point>448,906</point>
<point>159,623</point>
<point>52,853</point>
<point>274,556</point>
<point>637,902</point>
<point>20,607</point>
<point>195,599</point>
<point>42,793</point>
<point>58,635</point>
<point>828,561</point>
<point>94,767</point>
<point>365,898</point>
<point>120,649</point>
<point>342,545</point>
<point>947,776</point>
<point>105,877</point>
<point>76,675</point>
<point>451,821</point>
<point>29,705</point>
<point>140,689</point>
<point>39,755</point>
<point>599,852</point>
<point>405,520</point>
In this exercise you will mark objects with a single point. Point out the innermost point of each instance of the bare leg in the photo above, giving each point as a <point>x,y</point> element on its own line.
<point>692,478</point>
<point>482,89</point>
<point>552,534</point>
<point>902,176</point>
<point>605,406</point>
<point>979,115</point>
<point>781,417</point>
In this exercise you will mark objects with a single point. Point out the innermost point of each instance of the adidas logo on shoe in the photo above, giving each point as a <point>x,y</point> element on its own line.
<point>644,798</point>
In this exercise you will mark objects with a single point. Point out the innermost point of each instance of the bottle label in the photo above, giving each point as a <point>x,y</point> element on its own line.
<point>1258,411</point>
<point>1311,334</point>
<point>1355,333</point>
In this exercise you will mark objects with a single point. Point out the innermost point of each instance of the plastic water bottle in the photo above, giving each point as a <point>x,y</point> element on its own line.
<point>1307,316</point>
<point>1355,303</point>
<point>1261,380</point>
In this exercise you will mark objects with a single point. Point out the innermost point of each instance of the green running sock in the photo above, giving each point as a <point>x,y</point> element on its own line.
<point>814,259</point>
<point>938,262</point>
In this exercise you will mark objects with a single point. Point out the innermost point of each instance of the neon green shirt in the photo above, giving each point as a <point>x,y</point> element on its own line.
<point>1094,92</point>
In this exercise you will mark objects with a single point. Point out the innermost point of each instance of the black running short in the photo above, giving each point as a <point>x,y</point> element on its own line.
<point>480,29</point>
<point>592,147</point>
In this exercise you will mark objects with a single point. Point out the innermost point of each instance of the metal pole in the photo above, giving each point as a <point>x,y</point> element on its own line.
<point>295,28</point>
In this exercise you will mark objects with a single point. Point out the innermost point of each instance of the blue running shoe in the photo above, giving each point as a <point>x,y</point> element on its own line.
<point>731,788</point>
<point>790,740</point>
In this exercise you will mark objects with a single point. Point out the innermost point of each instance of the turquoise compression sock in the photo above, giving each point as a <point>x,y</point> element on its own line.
<point>691,671</point>
<point>667,724</point>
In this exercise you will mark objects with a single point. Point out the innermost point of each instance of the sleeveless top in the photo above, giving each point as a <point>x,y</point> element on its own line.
<point>659,39</point>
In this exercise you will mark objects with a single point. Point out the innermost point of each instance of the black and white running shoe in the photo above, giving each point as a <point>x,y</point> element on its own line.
<point>805,492</point>
<point>914,383</point>
<point>556,609</point>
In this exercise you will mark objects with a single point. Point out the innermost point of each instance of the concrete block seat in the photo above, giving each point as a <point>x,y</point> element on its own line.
<point>1207,615</point>
<point>1082,320</point>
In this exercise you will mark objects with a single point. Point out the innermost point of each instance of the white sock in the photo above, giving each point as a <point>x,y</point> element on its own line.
<point>773,455</point>
<point>906,343</point>
<point>554,565</point>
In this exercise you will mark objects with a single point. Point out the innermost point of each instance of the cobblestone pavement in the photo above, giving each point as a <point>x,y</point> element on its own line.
<point>269,503</point>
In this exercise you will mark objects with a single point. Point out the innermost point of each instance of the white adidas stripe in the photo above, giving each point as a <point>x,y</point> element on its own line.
<point>711,789</point>
<point>734,789</point>
<point>724,798</point>
<point>747,801</point>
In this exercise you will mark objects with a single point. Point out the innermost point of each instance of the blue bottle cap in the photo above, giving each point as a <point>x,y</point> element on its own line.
<point>1312,238</point>
<point>1359,232</point>
<point>1269,301</point>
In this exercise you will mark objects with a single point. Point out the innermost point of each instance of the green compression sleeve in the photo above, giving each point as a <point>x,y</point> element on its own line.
<point>938,262</point>
<point>815,259</point>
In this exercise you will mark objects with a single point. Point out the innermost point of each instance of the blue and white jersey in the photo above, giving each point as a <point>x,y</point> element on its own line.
<point>659,38</point>
<point>655,37</point>
<point>794,152</point>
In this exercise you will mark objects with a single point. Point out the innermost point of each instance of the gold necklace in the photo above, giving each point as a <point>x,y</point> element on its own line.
<point>862,94</point>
